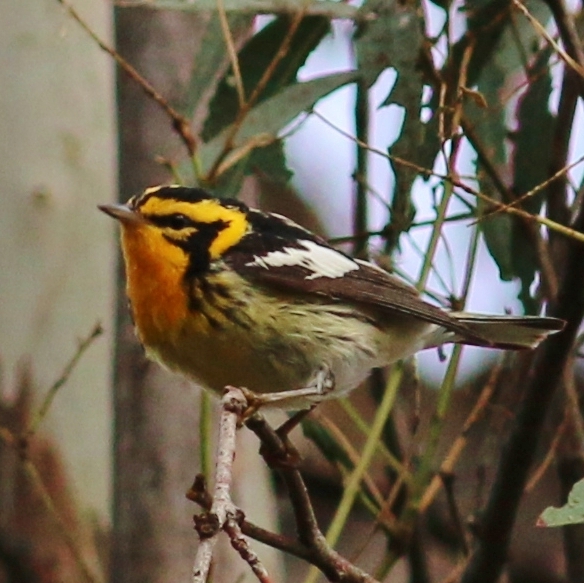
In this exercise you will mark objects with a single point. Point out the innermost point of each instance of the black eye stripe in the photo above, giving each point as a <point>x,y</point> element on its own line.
<point>178,221</point>
<point>175,221</point>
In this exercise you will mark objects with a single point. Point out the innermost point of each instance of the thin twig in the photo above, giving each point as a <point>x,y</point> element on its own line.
<point>561,172</point>
<point>351,452</point>
<point>232,52</point>
<point>179,122</point>
<point>63,378</point>
<point>228,145</point>
<point>549,458</point>
<point>241,545</point>
<point>577,67</point>
<point>449,463</point>
<point>198,493</point>
<point>553,225</point>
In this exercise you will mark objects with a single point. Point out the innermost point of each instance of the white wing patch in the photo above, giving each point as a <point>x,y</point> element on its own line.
<point>321,261</point>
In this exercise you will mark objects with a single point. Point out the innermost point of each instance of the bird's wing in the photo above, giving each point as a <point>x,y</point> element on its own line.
<point>295,259</point>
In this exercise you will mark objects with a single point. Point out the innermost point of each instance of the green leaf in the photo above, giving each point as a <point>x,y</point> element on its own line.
<point>489,124</point>
<point>531,163</point>
<point>395,38</point>
<point>254,58</point>
<point>498,57</point>
<point>392,38</point>
<point>270,161</point>
<point>331,9</point>
<point>571,513</point>
<point>497,231</point>
<point>211,58</point>
<point>270,116</point>
<point>408,146</point>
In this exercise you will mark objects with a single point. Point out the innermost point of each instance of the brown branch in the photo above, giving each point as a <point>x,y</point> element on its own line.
<point>180,124</point>
<point>228,146</point>
<point>320,554</point>
<point>198,493</point>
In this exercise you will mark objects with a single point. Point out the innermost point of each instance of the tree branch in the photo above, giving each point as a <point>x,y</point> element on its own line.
<point>319,553</point>
<point>545,376</point>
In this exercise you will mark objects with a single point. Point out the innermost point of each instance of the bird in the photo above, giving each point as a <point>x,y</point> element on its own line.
<point>229,295</point>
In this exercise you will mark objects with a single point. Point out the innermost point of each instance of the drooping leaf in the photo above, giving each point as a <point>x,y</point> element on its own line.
<point>261,126</point>
<point>254,58</point>
<point>531,164</point>
<point>270,162</point>
<point>408,94</point>
<point>491,70</point>
<point>489,123</point>
<point>571,513</point>
<point>395,39</point>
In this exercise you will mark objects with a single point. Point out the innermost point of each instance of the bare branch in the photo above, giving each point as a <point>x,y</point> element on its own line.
<point>180,124</point>
<point>319,553</point>
<point>223,514</point>
<point>63,378</point>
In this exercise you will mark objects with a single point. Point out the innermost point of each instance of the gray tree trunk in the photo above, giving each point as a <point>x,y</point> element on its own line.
<point>156,435</point>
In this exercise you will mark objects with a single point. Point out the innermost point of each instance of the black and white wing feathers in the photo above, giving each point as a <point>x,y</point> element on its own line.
<point>280,253</point>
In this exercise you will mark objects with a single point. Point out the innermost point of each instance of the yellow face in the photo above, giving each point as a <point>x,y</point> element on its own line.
<point>179,221</point>
<point>167,243</point>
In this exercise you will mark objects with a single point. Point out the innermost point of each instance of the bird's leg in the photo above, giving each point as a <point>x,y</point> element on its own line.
<point>320,385</point>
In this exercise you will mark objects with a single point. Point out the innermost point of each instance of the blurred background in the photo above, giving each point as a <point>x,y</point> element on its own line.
<point>473,91</point>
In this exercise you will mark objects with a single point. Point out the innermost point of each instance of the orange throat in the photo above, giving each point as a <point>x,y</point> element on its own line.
<point>154,271</point>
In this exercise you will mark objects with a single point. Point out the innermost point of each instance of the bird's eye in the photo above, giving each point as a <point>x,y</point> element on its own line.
<point>178,221</point>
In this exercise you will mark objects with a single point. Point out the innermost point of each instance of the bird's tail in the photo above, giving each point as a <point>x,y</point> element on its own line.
<point>508,332</point>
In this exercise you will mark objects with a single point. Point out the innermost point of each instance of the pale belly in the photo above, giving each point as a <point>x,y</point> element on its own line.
<point>289,348</point>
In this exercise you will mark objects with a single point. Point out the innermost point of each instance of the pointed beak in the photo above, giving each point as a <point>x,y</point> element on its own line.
<point>122,213</point>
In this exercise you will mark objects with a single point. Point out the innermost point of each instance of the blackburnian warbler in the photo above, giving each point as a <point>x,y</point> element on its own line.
<point>229,295</point>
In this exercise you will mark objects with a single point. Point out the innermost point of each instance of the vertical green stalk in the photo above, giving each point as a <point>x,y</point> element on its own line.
<point>352,485</point>
<point>435,237</point>
<point>425,468</point>
<point>426,464</point>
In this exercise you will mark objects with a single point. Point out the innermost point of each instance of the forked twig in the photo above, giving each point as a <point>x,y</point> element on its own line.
<point>248,104</point>
<point>317,551</point>
<point>222,514</point>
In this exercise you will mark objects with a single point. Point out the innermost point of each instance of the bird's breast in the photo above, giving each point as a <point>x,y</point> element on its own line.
<point>155,272</point>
